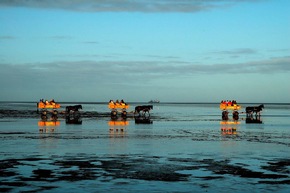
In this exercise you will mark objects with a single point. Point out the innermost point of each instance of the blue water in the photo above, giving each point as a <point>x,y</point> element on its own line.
<point>194,132</point>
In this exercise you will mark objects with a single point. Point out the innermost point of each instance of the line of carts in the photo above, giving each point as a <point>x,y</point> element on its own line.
<point>120,108</point>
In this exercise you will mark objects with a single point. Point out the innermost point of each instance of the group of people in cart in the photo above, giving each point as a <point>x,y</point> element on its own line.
<point>229,102</point>
<point>118,104</point>
<point>46,102</point>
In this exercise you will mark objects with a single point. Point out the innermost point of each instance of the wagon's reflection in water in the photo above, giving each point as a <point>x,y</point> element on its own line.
<point>47,126</point>
<point>229,127</point>
<point>118,127</point>
<point>48,121</point>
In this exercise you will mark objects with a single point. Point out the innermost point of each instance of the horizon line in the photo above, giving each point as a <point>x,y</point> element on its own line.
<point>138,102</point>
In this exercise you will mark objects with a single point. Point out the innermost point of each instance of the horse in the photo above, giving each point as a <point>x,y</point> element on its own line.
<point>145,109</point>
<point>74,108</point>
<point>255,109</point>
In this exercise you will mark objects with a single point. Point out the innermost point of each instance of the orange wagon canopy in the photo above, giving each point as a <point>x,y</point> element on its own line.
<point>117,105</point>
<point>48,104</point>
<point>229,105</point>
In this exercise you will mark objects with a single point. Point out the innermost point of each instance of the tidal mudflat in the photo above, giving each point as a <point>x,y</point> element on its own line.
<point>179,148</point>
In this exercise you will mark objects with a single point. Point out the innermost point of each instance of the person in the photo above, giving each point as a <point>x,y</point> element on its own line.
<point>52,102</point>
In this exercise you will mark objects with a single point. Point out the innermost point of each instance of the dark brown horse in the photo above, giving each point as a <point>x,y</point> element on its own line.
<point>74,108</point>
<point>145,109</point>
<point>255,109</point>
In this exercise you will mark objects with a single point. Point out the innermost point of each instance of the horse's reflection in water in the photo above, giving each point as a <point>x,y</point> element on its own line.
<point>254,120</point>
<point>77,120</point>
<point>143,120</point>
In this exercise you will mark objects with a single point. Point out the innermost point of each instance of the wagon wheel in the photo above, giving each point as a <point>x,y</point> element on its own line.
<point>225,115</point>
<point>235,115</point>
<point>124,114</point>
<point>113,113</point>
<point>43,114</point>
<point>54,112</point>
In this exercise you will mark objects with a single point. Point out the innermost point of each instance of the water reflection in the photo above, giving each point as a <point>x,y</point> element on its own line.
<point>225,115</point>
<point>73,119</point>
<point>46,126</point>
<point>118,127</point>
<point>143,120</point>
<point>229,127</point>
<point>44,114</point>
<point>48,123</point>
<point>254,120</point>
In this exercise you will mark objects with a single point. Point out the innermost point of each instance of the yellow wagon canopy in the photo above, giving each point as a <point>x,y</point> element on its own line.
<point>48,104</point>
<point>229,105</point>
<point>118,105</point>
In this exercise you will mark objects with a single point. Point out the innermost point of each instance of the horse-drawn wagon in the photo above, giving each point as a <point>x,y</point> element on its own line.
<point>225,106</point>
<point>117,106</point>
<point>44,105</point>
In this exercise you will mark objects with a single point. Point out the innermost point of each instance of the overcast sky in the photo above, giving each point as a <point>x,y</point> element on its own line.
<point>171,50</point>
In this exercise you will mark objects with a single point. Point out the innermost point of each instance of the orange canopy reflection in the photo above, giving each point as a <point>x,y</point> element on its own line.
<point>228,131</point>
<point>118,123</point>
<point>230,122</point>
<point>48,123</point>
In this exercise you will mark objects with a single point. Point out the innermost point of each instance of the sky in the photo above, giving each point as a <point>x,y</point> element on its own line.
<point>138,50</point>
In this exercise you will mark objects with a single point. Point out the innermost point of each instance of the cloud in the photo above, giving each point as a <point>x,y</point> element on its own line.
<point>240,51</point>
<point>126,5</point>
<point>7,37</point>
<point>279,50</point>
<point>92,72</point>
<point>60,37</point>
<point>91,42</point>
<point>80,79</point>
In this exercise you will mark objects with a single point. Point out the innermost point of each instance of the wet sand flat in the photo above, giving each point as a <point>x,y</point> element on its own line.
<point>169,153</point>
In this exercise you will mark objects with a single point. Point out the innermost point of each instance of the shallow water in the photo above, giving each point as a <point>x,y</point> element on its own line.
<point>180,148</point>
